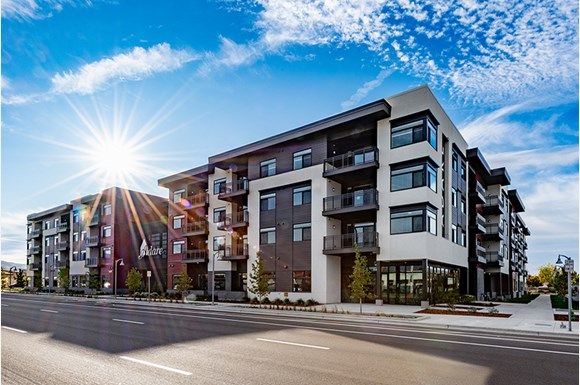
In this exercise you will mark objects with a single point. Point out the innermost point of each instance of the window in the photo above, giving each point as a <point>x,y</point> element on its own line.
<point>268,202</point>
<point>463,239</point>
<point>268,236</point>
<point>301,281</point>
<point>76,217</point>
<point>83,255</point>
<point>268,168</point>
<point>75,237</point>
<point>454,197</point>
<point>219,215</point>
<point>463,205</point>
<point>271,281</point>
<point>47,241</point>
<point>178,221</point>
<point>463,174</point>
<point>178,247</point>
<point>219,243</point>
<point>56,222</point>
<point>302,196</point>
<point>46,225</point>
<point>454,162</point>
<point>55,240</point>
<point>75,255</point>
<point>302,159</point>
<point>219,186</point>
<point>406,177</point>
<point>219,281</point>
<point>301,232</point>
<point>83,235</point>
<point>454,233</point>
<point>414,132</point>
<point>178,195</point>
<point>107,231</point>
<point>107,209</point>
<point>106,252</point>
<point>413,220</point>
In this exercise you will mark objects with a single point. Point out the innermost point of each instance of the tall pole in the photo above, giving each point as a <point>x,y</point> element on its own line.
<point>115,268</point>
<point>569,299</point>
<point>213,278</point>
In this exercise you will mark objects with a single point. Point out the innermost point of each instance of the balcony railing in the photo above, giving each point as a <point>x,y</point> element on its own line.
<point>236,186</point>
<point>494,256</point>
<point>199,227</point>
<point>195,200</point>
<point>92,241</point>
<point>356,199</point>
<point>34,266</point>
<point>494,229</point>
<point>35,233</point>
<point>62,227</point>
<point>362,156</point>
<point>480,250</point>
<point>35,249</point>
<point>195,255</point>
<point>62,245</point>
<point>239,250</point>
<point>365,239</point>
<point>95,220</point>
<point>92,262</point>
<point>240,218</point>
<point>493,201</point>
<point>63,263</point>
<point>479,188</point>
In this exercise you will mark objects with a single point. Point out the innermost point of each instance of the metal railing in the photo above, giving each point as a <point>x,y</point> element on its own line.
<point>479,188</point>
<point>34,266</point>
<point>92,262</point>
<point>92,240</point>
<point>95,220</point>
<point>63,226</point>
<point>234,250</point>
<point>352,158</point>
<point>364,239</point>
<point>359,198</point>
<point>494,200</point>
<point>196,200</point>
<point>35,249</point>
<point>63,245</point>
<point>493,228</point>
<point>480,220</point>
<point>196,227</point>
<point>235,186</point>
<point>493,256</point>
<point>194,254</point>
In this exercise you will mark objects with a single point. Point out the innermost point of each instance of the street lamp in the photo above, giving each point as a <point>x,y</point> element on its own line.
<point>51,271</point>
<point>213,276</point>
<point>10,275</point>
<point>568,267</point>
<point>120,264</point>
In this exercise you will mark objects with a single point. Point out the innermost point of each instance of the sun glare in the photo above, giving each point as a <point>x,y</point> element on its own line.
<point>115,158</point>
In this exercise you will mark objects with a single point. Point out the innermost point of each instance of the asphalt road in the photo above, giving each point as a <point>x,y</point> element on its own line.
<point>60,340</point>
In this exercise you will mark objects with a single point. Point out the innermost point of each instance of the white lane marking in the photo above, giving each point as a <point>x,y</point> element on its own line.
<point>293,343</point>
<point>15,330</point>
<point>156,365</point>
<point>127,321</point>
<point>48,311</point>
<point>4,305</point>
<point>335,330</point>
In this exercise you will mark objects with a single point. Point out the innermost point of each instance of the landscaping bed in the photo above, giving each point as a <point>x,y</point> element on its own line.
<point>564,317</point>
<point>459,312</point>
<point>561,302</point>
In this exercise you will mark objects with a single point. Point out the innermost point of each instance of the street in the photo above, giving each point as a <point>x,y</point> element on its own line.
<point>61,340</point>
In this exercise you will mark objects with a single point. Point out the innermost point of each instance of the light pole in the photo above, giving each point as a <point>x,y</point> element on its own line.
<point>213,276</point>
<point>120,264</point>
<point>10,276</point>
<point>568,267</point>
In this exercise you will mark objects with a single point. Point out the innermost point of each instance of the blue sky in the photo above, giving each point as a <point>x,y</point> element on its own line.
<point>177,81</point>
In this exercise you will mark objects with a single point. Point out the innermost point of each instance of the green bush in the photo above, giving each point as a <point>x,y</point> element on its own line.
<point>278,302</point>
<point>466,299</point>
<point>526,298</point>
<point>266,300</point>
<point>287,301</point>
<point>311,302</point>
<point>561,302</point>
<point>300,302</point>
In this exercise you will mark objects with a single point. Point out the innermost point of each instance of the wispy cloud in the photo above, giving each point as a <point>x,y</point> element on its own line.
<point>230,55</point>
<point>27,10</point>
<point>364,90</point>
<point>136,64</point>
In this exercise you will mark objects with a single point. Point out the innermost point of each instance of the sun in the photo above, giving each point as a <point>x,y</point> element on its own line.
<point>116,159</point>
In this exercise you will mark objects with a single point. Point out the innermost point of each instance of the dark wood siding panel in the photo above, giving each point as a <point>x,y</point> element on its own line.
<point>267,218</point>
<point>301,255</point>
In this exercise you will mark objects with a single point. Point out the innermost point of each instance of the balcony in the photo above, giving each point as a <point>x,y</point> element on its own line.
<point>353,167</point>
<point>62,246</point>
<point>480,256</point>
<point>63,227</point>
<point>95,220</point>
<point>34,249</point>
<point>194,256</point>
<point>478,194</point>
<point>479,224</point>
<point>235,252</point>
<point>35,266</point>
<point>195,201</point>
<point>62,264</point>
<point>234,191</point>
<point>93,241</point>
<point>92,262</point>
<point>344,244</point>
<point>494,257</point>
<point>493,232</point>
<point>235,220</point>
<point>34,233</point>
<point>493,205</point>
<point>361,202</point>
<point>195,228</point>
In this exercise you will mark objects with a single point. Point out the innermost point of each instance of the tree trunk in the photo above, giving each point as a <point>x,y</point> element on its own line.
<point>360,303</point>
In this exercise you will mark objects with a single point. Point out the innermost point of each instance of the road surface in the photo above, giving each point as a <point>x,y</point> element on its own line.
<point>62,340</point>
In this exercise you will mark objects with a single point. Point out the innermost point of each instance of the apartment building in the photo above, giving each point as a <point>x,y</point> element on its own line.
<point>92,234</point>
<point>393,177</point>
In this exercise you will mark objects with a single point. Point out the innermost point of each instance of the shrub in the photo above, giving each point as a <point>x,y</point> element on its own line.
<point>300,302</point>
<point>287,301</point>
<point>278,302</point>
<point>311,302</point>
<point>493,310</point>
<point>266,300</point>
<point>466,299</point>
<point>254,301</point>
<point>472,309</point>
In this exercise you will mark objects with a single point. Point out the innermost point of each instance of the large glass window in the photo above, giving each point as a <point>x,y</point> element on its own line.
<point>268,202</point>
<point>432,134</point>
<point>414,132</point>
<point>219,243</point>
<point>268,236</point>
<point>219,186</point>
<point>178,247</point>
<point>177,195</point>
<point>220,281</point>
<point>302,196</point>
<point>302,159</point>
<point>107,209</point>
<point>301,281</point>
<point>219,215</point>
<point>413,220</point>
<point>178,221</point>
<point>301,232</point>
<point>406,177</point>
<point>107,232</point>
<point>268,168</point>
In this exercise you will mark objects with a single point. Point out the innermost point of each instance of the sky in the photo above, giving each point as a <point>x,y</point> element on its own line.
<point>160,86</point>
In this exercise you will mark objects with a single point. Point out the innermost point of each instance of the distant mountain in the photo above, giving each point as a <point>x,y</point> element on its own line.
<point>7,265</point>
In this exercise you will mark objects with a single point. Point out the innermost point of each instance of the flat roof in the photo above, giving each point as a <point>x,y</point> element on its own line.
<point>490,176</point>
<point>55,210</point>
<point>379,109</point>
<point>194,173</point>
<point>516,201</point>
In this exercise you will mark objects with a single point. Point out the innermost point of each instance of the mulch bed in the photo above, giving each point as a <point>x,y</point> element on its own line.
<point>449,312</point>
<point>564,317</point>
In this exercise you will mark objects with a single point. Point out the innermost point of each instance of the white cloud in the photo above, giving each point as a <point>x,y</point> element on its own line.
<point>231,54</point>
<point>13,229</point>
<point>26,10</point>
<point>364,90</point>
<point>137,64</point>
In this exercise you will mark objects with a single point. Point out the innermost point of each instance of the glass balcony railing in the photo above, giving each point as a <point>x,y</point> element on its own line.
<point>355,199</point>
<point>362,156</point>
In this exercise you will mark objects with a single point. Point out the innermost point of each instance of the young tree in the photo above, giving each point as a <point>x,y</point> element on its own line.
<point>360,279</point>
<point>94,281</point>
<point>546,273</point>
<point>533,281</point>
<point>63,277</point>
<point>133,281</point>
<point>259,279</point>
<point>183,283</point>
<point>21,279</point>
<point>37,281</point>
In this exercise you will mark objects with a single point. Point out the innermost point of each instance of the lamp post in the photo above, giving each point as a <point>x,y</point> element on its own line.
<point>50,276</point>
<point>10,276</point>
<point>213,276</point>
<point>120,264</point>
<point>568,267</point>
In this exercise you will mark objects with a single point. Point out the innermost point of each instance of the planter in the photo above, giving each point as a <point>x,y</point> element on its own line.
<point>379,302</point>
<point>424,304</point>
